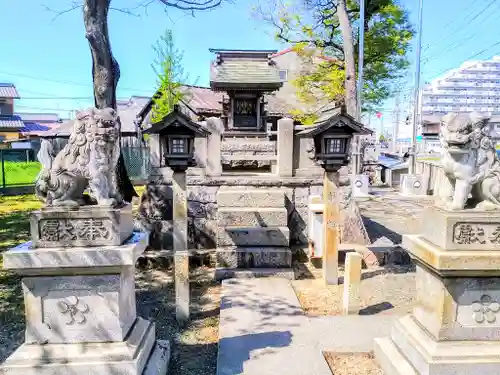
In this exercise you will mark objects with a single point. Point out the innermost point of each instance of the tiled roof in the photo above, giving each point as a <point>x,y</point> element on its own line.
<point>8,90</point>
<point>288,50</point>
<point>244,71</point>
<point>33,127</point>
<point>39,117</point>
<point>13,122</point>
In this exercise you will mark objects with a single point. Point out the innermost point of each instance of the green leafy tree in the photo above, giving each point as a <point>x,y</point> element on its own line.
<point>313,27</point>
<point>170,77</point>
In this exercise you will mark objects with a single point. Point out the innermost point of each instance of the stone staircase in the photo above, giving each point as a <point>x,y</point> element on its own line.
<point>252,234</point>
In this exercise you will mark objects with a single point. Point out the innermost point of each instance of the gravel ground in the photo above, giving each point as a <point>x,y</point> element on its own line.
<point>194,348</point>
<point>383,291</point>
<point>352,363</point>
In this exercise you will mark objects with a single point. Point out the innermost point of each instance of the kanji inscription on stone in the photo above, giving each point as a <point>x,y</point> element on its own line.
<point>74,229</point>
<point>466,234</point>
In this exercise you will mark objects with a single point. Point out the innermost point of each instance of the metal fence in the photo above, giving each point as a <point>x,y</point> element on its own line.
<point>19,167</point>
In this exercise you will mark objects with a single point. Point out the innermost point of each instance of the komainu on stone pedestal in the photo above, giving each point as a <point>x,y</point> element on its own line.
<point>470,163</point>
<point>88,160</point>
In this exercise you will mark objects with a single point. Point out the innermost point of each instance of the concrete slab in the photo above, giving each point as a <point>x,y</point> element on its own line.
<point>263,330</point>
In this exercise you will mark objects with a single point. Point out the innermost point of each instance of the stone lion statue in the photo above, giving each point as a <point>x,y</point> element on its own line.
<point>470,163</point>
<point>88,161</point>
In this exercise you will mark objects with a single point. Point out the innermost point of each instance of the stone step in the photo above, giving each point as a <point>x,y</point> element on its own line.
<point>244,236</point>
<point>251,198</point>
<point>240,273</point>
<point>254,257</point>
<point>252,217</point>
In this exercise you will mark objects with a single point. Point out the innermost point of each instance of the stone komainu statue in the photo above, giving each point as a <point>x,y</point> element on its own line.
<point>88,160</point>
<point>470,162</point>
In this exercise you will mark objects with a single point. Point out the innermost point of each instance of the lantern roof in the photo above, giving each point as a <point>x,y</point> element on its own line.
<point>335,117</point>
<point>176,118</point>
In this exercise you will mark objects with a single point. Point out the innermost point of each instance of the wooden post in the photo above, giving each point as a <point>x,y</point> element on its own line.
<point>331,224</point>
<point>181,256</point>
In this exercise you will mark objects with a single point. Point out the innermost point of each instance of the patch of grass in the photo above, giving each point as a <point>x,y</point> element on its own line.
<point>20,173</point>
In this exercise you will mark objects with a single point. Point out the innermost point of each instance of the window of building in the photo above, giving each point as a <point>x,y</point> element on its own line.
<point>284,75</point>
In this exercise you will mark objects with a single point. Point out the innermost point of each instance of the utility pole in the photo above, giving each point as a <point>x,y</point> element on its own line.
<point>395,128</point>
<point>416,92</point>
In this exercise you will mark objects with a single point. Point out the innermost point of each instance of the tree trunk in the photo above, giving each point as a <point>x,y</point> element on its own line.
<point>105,74</point>
<point>350,64</point>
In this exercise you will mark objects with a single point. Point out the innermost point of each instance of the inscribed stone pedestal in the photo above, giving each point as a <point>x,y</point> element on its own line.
<point>454,327</point>
<point>80,312</point>
<point>85,226</point>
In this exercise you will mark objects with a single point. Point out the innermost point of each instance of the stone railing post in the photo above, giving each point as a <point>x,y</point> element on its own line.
<point>285,147</point>
<point>214,163</point>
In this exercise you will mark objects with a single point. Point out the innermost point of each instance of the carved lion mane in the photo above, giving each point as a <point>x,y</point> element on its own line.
<point>470,162</point>
<point>88,160</point>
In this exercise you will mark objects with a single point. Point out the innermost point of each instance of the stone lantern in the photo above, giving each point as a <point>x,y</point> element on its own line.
<point>177,133</point>
<point>332,139</point>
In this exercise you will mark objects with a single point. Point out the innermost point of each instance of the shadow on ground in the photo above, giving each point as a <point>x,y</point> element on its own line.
<point>14,229</point>
<point>194,347</point>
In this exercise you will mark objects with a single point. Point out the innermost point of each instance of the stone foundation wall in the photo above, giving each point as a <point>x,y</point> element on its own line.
<point>156,207</point>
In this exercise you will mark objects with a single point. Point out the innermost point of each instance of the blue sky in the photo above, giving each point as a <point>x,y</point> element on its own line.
<point>34,45</point>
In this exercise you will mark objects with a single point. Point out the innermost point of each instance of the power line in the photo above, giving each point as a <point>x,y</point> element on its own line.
<point>467,22</point>
<point>468,58</point>
<point>58,98</point>
<point>72,83</point>
<point>459,43</point>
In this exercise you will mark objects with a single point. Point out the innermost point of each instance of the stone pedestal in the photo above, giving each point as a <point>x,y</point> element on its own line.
<point>454,327</point>
<point>412,184</point>
<point>80,309</point>
<point>360,185</point>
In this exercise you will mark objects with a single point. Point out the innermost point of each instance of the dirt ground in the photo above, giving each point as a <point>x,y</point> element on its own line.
<point>383,291</point>
<point>352,363</point>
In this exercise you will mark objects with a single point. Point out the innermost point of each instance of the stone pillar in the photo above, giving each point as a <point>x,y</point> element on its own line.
<point>412,184</point>
<point>80,305</point>
<point>360,185</point>
<point>454,327</point>
<point>352,281</point>
<point>154,151</point>
<point>181,256</point>
<point>285,147</point>
<point>214,164</point>
<point>331,224</point>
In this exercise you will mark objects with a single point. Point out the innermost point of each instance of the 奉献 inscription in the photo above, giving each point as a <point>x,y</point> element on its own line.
<point>476,233</point>
<point>74,229</point>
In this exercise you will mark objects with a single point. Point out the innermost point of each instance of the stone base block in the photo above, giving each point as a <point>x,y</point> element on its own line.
<point>360,185</point>
<point>242,236</point>
<point>412,184</point>
<point>240,273</point>
<point>254,257</point>
<point>464,263</point>
<point>86,226</point>
<point>139,354</point>
<point>420,354</point>
<point>25,260</point>
<point>461,230</point>
<point>252,217</point>
<point>251,198</point>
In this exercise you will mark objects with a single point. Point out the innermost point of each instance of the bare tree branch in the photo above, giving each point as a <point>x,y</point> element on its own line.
<point>192,5</point>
